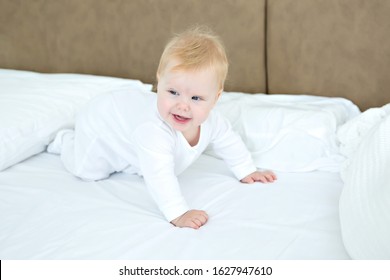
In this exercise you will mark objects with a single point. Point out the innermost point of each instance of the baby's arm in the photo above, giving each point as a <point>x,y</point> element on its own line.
<point>259,176</point>
<point>192,218</point>
<point>157,165</point>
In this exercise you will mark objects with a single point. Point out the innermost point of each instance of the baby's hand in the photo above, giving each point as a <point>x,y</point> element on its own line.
<point>192,219</point>
<point>259,176</point>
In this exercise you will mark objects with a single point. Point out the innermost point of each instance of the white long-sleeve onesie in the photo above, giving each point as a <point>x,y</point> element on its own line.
<point>123,131</point>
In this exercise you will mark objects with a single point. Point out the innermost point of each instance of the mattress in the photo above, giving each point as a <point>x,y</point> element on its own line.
<point>47,213</point>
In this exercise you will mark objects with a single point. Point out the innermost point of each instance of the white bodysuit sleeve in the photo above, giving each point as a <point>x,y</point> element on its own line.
<point>154,147</point>
<point>229,146</point>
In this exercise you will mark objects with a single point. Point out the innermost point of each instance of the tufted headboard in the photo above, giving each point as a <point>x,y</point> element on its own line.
<point>320,47</point>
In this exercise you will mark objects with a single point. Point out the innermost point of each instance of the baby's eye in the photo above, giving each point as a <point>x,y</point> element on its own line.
<point>173,92</point>
<point>196,98</point>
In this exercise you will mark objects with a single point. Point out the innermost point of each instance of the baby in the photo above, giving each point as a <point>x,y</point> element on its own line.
<point>158,136</point>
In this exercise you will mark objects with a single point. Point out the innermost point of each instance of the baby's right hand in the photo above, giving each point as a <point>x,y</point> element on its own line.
<point>192,219</point>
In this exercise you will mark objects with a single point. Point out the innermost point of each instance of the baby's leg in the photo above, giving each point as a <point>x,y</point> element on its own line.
<point>83,157</point>
<point>87,151</point>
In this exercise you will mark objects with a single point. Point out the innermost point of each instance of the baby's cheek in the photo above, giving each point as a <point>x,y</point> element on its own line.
<point>203,115</point>
<point>163,108</point>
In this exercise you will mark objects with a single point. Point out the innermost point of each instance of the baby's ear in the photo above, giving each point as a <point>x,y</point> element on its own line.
<point>219,95</point>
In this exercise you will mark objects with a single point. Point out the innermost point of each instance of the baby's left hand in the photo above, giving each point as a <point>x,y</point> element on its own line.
<point>259,176</point>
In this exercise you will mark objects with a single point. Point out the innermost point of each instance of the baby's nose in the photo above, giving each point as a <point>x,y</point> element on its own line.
<point>183,106</point>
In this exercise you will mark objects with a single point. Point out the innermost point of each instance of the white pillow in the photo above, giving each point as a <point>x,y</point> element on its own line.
<point>365,199</point>
<point>293,133</point>
<point>34,106</point>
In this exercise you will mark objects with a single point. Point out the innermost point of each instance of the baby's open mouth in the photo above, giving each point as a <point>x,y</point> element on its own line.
<point>180,119</point>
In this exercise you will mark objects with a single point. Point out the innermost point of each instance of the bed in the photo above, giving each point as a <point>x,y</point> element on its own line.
<point>307,91</point>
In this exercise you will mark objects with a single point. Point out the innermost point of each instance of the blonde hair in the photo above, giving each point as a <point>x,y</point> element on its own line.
<point>195,49</point>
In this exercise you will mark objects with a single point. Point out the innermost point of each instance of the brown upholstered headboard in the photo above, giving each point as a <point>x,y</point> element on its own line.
<point>331,48</point>
<point>125,38</point>
<point>322,47</point>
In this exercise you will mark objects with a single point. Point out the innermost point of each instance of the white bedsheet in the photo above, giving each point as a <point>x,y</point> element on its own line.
<point>46,213</point>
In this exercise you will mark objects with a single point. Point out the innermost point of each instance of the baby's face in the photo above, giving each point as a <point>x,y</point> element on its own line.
<point>185,98</point>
